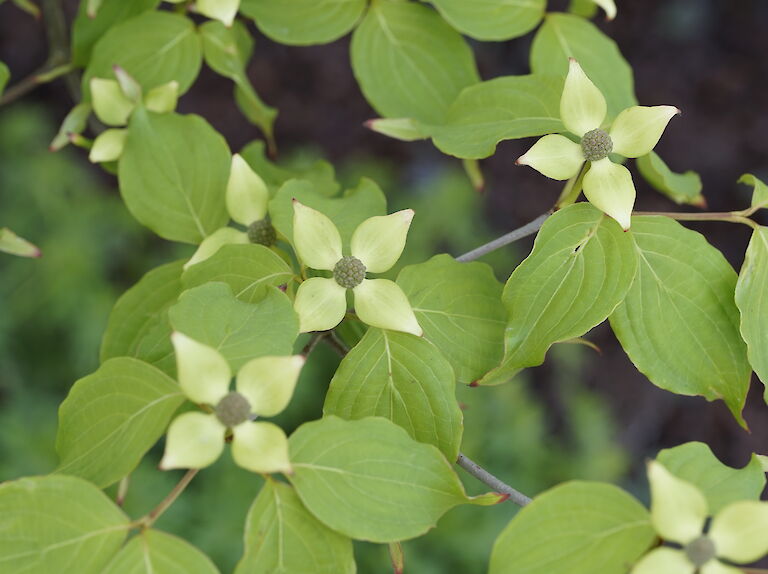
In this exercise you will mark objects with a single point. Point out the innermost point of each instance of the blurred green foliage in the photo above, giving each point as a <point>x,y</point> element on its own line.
<point>53,311</point>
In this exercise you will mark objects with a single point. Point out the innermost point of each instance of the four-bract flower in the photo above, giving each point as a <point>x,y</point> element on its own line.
<point>634,133</point>
<point>113,103</point>
<point>376,245</point>
<point>738,533</point>
<point>264,387</point>
<point>247,197</point>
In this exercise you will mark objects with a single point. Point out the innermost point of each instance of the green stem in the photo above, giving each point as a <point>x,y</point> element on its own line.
<point>727,216</point>
<point>157,511</point>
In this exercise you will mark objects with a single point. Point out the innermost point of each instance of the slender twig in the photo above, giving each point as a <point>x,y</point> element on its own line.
<point>727,216</point>
<point>313,341</point>
<point>487,478</point>
<point>336,343</point>
<point>157,511</point>
<point>528,229</point>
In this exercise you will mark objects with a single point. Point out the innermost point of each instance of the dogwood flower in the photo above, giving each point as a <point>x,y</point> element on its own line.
<point>222,10</point>
<point>376,245</point>
<point>609,6</point>
<point>738,533</point>
<point>246,198</point>
<point>634,133</point>
<point>264,387</point>
<point>113,103</point>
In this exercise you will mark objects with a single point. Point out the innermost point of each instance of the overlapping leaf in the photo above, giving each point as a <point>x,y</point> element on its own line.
<point>679,187</point>
<point>156,552</point>
<point>492,19</point>
<point>404,379</point>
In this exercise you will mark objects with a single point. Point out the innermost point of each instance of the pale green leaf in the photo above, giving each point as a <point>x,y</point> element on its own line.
<point>227,52</point>
<point>759,189</point>
<point>282,536</point>
<point>57,524</point>
<point>247,269</point>
<point>112,417</point>
<point>173,175</point>
<point>409,62</point>
<point>580,269</point>
<point>320,173</point>
<point>86,31</point>
<point>564,36</point>
<point>679,323</point>
<point>679,187</point>
<point>156,552</point>
<point>492,19</point>
<point>720,484</point>
<point>304,22</point>
<point>510,107</point>
<point>574,528</point>
<point>458,305</point>
<point>74,123</point>
<point>346,211</point>
<point>154,48</point>
<point>15,245</point>
<point>750,294</point>
<point>210,314</point>
<point>368,479</point>
<point>402,378</point>
<point>138,325</point>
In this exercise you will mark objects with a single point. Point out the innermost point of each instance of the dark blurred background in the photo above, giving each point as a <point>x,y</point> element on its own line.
<point>581,415</point>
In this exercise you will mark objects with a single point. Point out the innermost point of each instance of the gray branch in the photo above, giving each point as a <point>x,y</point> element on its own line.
<point>515,235</point>
<point>487,478</point>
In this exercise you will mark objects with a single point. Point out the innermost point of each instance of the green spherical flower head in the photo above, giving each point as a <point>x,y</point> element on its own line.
<point>233,409</point>
<point>596,145</point>
<point>262,232</point>
<point>349,272</point>
<point>700,551</point>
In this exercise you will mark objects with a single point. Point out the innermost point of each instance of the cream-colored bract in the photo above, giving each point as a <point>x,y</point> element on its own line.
<point>679,511</point>
<point>634,133</point>
<point>222,10</point>
<point>196,439</point>
<point>378,243</point>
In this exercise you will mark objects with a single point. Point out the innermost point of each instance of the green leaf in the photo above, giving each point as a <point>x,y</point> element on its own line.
<point>679,187</point>
<point>240,331</point>
<point>74,123</point>
<point>57,524</point>
<point>404,379</point>
<point>511,107</point>
<point>459,307</point>
<point>112,417</point>
<point>679,323</point>
<point>154,48</point>
<point>580,269</point>
<point>583,8</point>
<point>409,62</point>
<point>566,36</point>
<point>750,293</point>
<point>574,528</point>
<point>248,269</point>
<point>156,552</point>
<point>227,52</point>
<point>346,211</point>
<point>86,31</point>
<point>369,480</point>
<point>760,189</point>
<point>138,324</point>
<point>173,175</point>
<point>720,484</point>
<point>320,173</point>
<point>282,536</point>
<point>492,19</point>
<point>5,75</point>
<point>304,22</point>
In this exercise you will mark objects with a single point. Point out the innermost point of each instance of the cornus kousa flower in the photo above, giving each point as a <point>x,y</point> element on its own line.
<point>264,387</point>
<point>737,534</point>
<point>246,198</point>
<point>376,245</point>
<point>634,133</point>
<point>114,100</point>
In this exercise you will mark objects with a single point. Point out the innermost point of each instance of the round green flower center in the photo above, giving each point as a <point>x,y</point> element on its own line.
<point>233,409</point>
<point>596,145</point>
<point>262,232</point>
<point>700,551</point>
<point>349,272</point>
